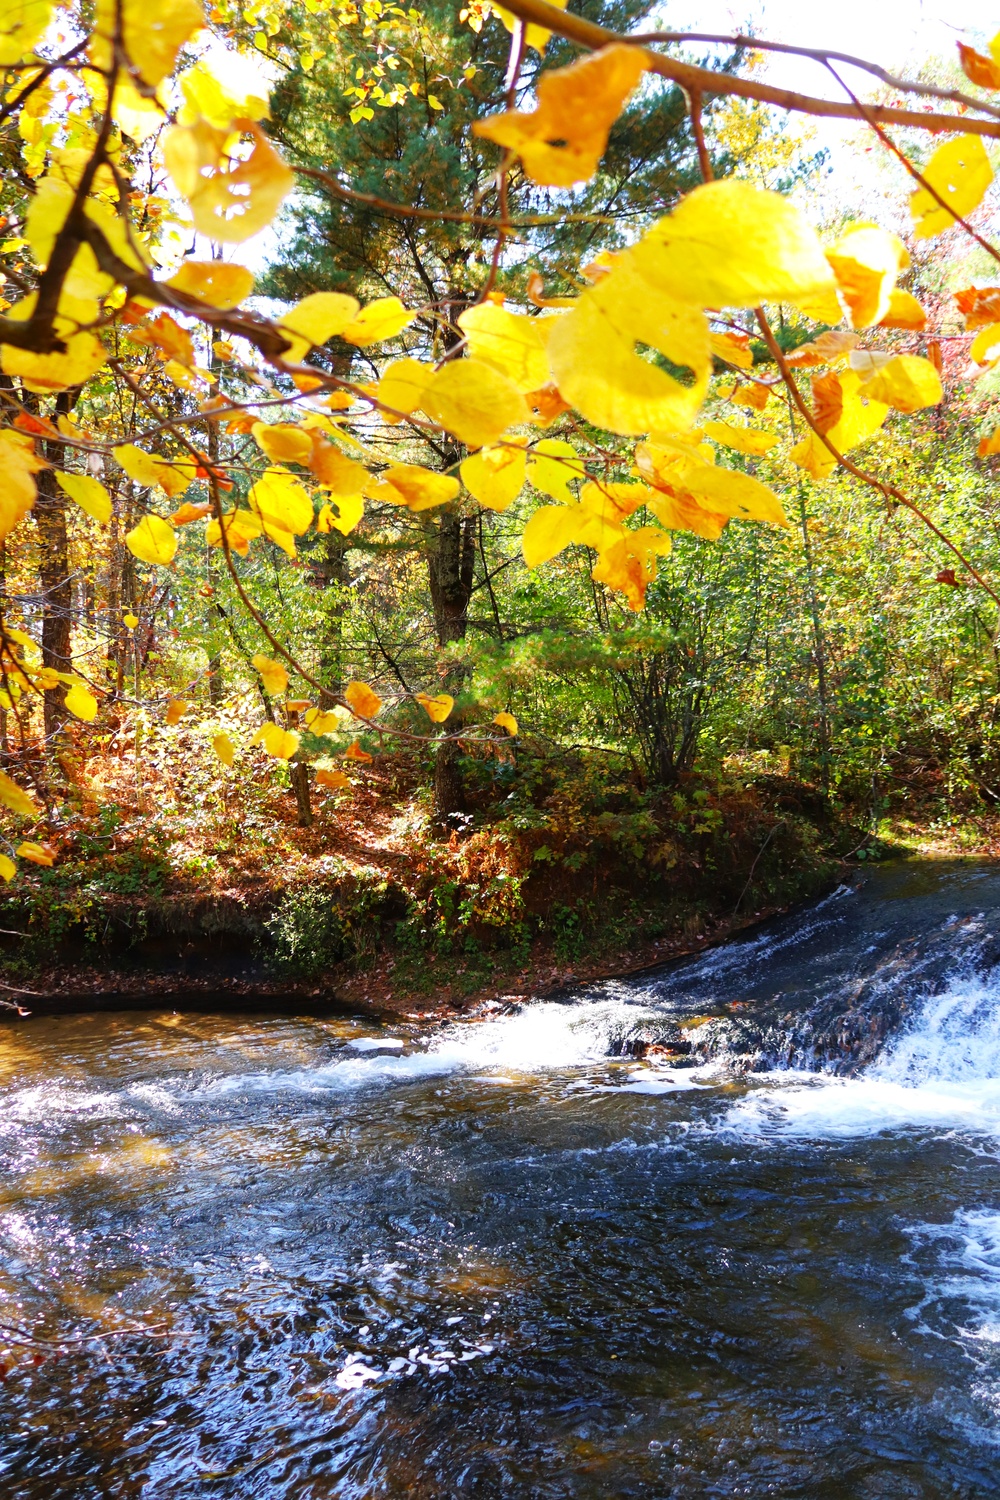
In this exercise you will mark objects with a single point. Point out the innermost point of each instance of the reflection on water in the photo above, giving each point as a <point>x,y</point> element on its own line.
<point>500,1262</point>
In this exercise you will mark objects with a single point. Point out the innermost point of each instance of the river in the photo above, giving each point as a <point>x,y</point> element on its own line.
<point>300,1258</point>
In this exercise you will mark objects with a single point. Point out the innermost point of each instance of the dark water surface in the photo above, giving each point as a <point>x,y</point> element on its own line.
<point>502,1263</point>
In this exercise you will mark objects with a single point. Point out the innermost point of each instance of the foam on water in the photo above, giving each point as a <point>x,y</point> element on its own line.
<point>959,1263</point>
<point>942,1072</point>
<point>542,1037</point>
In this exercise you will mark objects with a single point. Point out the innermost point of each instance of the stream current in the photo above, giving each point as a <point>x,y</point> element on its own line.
<point>293,1258</point>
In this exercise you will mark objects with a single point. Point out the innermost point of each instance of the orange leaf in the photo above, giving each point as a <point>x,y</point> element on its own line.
<point>38,854</point>
<point>188,512</point>
<point>363,702</point>
<point>336,779</point>
<point>355,752</point>
<point>978,69</point>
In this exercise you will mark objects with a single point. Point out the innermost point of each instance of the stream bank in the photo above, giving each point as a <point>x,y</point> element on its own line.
<point>400,925</point>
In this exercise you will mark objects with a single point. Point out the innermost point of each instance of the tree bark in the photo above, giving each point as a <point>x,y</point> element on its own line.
<point>451,564</point>
<point>333,576</point>
<point>57,595</point>
<point>298,775</point>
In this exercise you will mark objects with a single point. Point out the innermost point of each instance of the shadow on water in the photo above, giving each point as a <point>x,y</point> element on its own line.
<point>513,1260</point>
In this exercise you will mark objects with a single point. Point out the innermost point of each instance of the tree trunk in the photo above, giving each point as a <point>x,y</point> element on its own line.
<point>57,595</point>
<point>334,577</point>
<point>298,775</point>
<point>451,564</point>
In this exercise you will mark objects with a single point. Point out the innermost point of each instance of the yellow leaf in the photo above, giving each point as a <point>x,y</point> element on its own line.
<point>153,32</point>
<point>842,414</point>
<point>382,319</point>
<point>727,492</point>
<point>907,383</point>
<point>510,342</point>
<point>224,749</point>
<point>241,527</point>
<point>506,721</point>
<point>318,317</point>
<point>413,486</point>
<point>741,439</point>
<point>81,703</point>
<point>959,172</point>
<point>754,397</point>
<point>172,475</point>
<point>550,530</point>
<point>349,510</point>
<point>280,744</point>
<point>335,780</point>
<point>355,752</point>
<point>8,869</point>
<point>42,373</point>
<point>534,36</point>
<point>176,709</point>
<point>364,703</point>
<point>402,388</point>
<point>284,442</point>
<point>437,709</point>
<point>15,799</point>
<point>866,261</point>
<point>553,464</point>
<point>207,97</point>
<point>319,722</point>
<point>152,541</point>
<point>130,620</point>
<point>813,456</point>
<point>595,363</point>
<point>284,507</point>
<point>89,494</point>
<point>18,463</point>
<point>985,347</point>
<point>38,854</point>
<point>904,312</point>
<point>272,674</point>
<point>495,476</point>
<point>231,196</point>
<point>220,283</point>
<point>728,244</point>
<point>628,565</point>
<point>610,501</point>
<point>336,472</point>
<point>680,512</point>
<point>22,25</point>
<point>474,401</point>
<point>562,141</point>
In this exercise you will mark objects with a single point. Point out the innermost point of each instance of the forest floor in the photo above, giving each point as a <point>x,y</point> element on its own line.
<point>200,894</point>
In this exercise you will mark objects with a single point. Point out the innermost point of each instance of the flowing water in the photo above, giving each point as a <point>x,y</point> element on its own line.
<point>299,1258</point>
